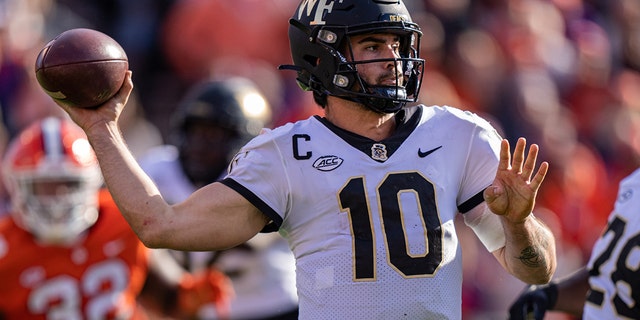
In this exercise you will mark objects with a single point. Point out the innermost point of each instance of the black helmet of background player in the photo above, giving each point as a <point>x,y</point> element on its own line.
<point>319,35</point>
<point>213,121</point>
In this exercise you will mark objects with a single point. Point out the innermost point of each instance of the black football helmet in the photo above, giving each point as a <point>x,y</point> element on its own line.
<point>319,35</point>
<point>212,121</point>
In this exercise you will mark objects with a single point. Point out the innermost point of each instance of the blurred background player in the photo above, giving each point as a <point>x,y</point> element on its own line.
<point>65,250</point>
<point>213,120</point>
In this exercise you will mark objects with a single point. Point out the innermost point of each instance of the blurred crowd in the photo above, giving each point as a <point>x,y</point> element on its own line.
<point>565,74</point>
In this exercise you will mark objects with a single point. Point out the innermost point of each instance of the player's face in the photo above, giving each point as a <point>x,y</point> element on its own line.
<point>47,197</point>
<point>204,151</point>
<point>378,46</point>
<point>54,188</point>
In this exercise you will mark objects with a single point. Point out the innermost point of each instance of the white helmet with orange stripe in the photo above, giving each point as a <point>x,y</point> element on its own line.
<point>53,178</point>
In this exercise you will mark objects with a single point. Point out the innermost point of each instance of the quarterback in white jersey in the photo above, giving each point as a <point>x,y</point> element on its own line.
<point>372,223</point>
<point>609,286</point>
<point>366,196</point>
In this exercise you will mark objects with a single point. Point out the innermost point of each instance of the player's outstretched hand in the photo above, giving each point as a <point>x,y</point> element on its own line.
<point>110,111</point>
<point>515,187</point>
<point>535,301</point>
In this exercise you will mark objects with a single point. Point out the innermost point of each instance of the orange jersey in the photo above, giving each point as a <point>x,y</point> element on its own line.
<point>97,278</point>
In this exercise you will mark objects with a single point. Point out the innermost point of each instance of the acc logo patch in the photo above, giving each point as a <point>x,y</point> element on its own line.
<point>327,163</point>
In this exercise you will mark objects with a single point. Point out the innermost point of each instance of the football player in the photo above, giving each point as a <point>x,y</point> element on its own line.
<point>366,196</point>
<point>65,250</point>
<point>226,114</point>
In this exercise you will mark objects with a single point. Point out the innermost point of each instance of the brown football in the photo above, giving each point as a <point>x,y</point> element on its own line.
<point>82,67</point>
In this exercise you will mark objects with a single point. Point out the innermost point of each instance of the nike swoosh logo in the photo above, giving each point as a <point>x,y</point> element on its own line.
<point>426,153</point>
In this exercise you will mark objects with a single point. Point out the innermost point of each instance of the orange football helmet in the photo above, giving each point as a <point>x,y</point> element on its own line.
<point>53,178</point>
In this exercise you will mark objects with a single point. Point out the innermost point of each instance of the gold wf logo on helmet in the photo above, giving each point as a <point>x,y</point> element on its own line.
<point>320,7</point>
<point>397,18</point>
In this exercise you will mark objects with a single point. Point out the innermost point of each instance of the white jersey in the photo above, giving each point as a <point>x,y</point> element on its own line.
<point>262,270</point>
<point>614,266</point>
<point>371,224</point>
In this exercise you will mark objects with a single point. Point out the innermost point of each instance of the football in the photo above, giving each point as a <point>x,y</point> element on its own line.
<point>81,67</point>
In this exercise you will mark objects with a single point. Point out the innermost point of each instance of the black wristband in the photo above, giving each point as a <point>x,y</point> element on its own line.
<point>551,290</point>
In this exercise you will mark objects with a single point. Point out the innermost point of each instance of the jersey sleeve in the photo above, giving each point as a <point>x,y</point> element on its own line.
<point>258,173</point>
<point>480,170</point>
<point>482,162</point>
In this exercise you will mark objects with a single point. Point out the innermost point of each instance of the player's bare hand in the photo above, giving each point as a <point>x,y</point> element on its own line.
<point>110,111</point>
<point>515,186</point>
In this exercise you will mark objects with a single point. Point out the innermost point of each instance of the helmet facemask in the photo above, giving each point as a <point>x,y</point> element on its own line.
<point>407,72</point>
<point>57,210</point>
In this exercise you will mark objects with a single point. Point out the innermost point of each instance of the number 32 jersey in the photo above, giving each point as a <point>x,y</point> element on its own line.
<point>614,266</point>
<point>97,278</point>
<point>371,223</point>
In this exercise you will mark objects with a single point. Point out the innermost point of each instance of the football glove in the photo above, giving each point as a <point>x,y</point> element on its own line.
<point>534,301</point>
<point>210,286</point>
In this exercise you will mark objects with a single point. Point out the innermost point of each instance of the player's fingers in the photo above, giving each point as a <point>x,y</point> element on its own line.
<point>518,312</point>
<point>530,162</point>
<point>505,155</point>
<point>539,177</point>
<point>62,105</point>
<point>122,96</point>
<point>518,155</point>
<point>127,85</point>
<point>538,312</point>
